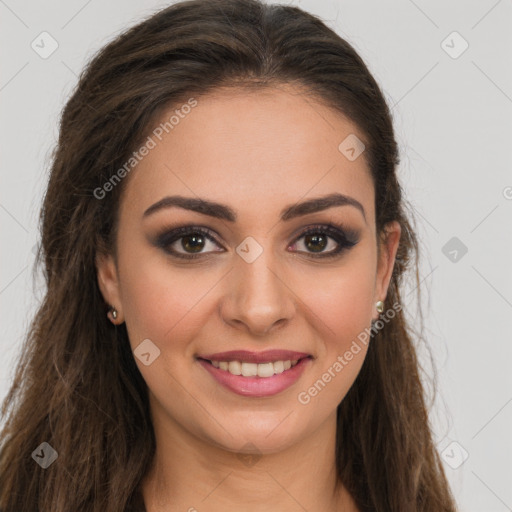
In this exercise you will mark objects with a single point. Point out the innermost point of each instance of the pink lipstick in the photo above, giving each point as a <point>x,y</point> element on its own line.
<point>256,374</point>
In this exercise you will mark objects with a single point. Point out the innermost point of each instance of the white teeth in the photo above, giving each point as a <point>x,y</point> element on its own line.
<point>266,370</point>
<point>278,367</point>
<point>249,369</point>
<point>235,367</point>
<point>254,369</point>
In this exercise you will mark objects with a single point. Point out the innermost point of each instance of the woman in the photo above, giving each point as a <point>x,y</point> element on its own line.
<point>224,239</point>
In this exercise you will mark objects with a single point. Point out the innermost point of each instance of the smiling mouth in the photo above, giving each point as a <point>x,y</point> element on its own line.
<point>247,369</point>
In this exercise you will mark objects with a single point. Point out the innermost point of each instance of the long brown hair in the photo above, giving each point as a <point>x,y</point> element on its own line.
<point>77,386</point>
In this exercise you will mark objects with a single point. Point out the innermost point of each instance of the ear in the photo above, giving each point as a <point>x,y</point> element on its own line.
<point>386,261</point>
<point>108,281</point>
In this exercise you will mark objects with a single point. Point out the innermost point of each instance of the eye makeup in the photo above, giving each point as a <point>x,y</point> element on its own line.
<point>194,237</point>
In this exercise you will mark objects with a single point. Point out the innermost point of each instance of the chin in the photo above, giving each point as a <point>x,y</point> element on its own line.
<point>259,434</point>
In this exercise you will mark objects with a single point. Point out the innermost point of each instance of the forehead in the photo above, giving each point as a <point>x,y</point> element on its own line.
<point>253,150</point>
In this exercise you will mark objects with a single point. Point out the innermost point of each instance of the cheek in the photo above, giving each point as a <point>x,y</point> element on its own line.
<point>340,308</point>
<point>160,302</point>
<point>341,301</point>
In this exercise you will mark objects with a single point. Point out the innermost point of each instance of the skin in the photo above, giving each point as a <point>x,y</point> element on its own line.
<point>256,152</point>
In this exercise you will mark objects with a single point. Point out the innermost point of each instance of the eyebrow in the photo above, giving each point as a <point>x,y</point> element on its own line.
<point>221,211</point>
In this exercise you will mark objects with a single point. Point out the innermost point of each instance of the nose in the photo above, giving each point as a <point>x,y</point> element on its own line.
<point>258,298</point>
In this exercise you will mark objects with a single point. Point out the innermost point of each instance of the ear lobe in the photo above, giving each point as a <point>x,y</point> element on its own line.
<point>389,248</point>
<point>108,282</point>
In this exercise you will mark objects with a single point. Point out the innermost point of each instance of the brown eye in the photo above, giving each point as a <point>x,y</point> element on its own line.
<point>326,241</point>
<point>316,243</point>
<point>188,242</point>
<point>193,243</point>
<point>322,241</point>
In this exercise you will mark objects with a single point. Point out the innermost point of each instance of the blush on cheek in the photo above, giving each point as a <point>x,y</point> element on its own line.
<point>164,308</point>
<point>343,306</point>
<point>353,318</point>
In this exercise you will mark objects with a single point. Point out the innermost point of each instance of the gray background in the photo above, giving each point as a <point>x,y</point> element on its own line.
<point>453,119</point>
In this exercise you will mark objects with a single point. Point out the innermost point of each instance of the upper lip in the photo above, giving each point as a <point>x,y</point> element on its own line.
<point>267,356</point>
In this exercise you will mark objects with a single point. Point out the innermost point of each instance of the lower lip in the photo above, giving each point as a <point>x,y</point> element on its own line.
<point>257,386</point>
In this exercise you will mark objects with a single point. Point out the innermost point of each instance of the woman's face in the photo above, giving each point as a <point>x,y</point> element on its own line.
<point>244,277</point>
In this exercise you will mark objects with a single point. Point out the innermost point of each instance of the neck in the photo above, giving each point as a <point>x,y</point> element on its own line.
<point>189,474</point>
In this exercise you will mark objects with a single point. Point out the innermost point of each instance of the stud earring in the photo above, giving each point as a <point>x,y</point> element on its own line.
<point>113,314</point>
<point>379,305</point>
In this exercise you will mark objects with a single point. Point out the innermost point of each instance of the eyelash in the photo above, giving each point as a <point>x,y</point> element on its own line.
<point>345,238</point>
